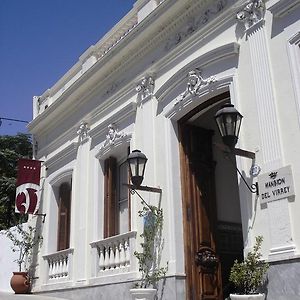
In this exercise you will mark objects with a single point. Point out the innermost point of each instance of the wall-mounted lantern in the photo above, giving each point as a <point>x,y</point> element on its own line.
<point>137,163</point>
<point>229,121</point>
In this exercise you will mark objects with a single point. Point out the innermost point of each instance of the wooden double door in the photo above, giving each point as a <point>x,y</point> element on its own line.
<point>202,262</point>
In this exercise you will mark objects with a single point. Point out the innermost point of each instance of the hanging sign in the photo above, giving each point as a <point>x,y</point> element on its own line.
<point>276,184</point>
<point>28,186</point>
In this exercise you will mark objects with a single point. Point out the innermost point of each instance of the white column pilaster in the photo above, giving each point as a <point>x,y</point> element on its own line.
<point>281,241</point>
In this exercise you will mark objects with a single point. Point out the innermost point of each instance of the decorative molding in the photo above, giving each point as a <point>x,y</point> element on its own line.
<point>67,153</point>
<point>83,132</point>
<point>64,176</point>
<point>194,84</point>
<point>122,63</point>
<point>182,105</point>
<point>113,135</point>
<point>195,23</point>
<point>282,7</point>
<point>145,88</point>
<point>221,53</point>
<point>114,139</point>
<point>109,115</point>
<point>252,13</point>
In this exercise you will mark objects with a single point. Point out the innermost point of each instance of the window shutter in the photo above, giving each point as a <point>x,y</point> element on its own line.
<point>110,170</point>
<point>64,217</point>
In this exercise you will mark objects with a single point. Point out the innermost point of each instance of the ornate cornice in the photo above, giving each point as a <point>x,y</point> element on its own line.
<point>252,13</point>
<point>157,29</point>
<point>196,23</point>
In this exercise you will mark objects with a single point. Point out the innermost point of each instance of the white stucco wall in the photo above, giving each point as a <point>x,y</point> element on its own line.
<point>7,262</point>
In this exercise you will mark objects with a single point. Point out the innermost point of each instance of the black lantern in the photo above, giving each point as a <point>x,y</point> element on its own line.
<point>229,122</point>
<point>137,162</point>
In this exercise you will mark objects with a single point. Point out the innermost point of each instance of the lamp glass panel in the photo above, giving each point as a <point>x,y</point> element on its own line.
<point>238,125</point>
<point>133,166</point>
<point>141,167</point>
<point>221,126</point>
<point>230,124</point>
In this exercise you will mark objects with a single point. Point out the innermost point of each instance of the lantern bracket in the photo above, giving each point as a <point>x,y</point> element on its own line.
<point>143,188</point>
<point>244,153</point>
<point>133,190</point>
<point>236,151</point>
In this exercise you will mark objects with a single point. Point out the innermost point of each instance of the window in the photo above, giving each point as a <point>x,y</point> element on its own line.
<point>64,216</point>
<point>116,198</point>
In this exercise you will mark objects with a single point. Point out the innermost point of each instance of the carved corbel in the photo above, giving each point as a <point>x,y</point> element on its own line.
<point>145,87</point>
<point>252,13</point>
<point>83,131</point>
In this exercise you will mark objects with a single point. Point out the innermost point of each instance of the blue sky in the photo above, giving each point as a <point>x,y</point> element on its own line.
<point>42,39</point>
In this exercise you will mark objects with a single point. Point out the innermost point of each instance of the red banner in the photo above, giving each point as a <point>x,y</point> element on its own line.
<point>28,186</point>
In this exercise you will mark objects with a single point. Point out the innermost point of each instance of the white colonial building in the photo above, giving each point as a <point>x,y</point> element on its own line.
<point>154,83</point>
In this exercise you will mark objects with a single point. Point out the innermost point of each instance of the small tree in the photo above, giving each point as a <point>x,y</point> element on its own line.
<point>248,276</point>
<point>11,149</point>
<point>149,258</point>
<point>24,239</point>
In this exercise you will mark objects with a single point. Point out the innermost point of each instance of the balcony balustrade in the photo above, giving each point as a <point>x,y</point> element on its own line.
<point>115,254</point>
<point>59,264</point>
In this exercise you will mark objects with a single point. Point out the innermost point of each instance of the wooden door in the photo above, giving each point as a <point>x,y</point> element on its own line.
<point>203,271</point>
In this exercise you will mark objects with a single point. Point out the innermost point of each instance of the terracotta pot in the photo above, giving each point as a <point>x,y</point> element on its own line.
<point>247,297</point>
<point>20,282</point>
<point>143,294</point>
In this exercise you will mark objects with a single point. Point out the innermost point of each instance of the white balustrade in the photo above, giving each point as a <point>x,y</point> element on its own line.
<point>115,254</point>
<point>59,264</point>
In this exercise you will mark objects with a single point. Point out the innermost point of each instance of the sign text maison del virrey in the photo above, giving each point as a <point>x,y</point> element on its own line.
<point>276,184</point>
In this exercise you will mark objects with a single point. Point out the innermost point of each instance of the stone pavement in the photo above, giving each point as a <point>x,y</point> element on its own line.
<point>12,296</point>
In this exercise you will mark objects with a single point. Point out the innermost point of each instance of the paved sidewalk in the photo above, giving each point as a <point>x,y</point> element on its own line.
<point>12,296</point>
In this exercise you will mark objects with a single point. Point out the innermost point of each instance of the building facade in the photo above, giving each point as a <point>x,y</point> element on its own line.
<point>154,83</point>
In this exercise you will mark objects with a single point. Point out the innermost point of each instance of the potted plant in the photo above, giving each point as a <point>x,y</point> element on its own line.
<point>24,239</point>
<point>149,257</point>
<point>248,276</point>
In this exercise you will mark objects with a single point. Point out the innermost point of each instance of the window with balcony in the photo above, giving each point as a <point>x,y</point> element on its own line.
<point>116,197</point>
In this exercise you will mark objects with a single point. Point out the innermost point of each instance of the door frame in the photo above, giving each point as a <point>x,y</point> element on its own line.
<point>184,184</point>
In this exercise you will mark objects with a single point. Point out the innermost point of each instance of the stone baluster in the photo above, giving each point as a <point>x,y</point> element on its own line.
<point>50,262</point>
<point>111,256</point>
<point>117,255</point>
<point>60,269</point>
<point>101,259</point>
<point>122,254</point>
<point>106,259</point>
<point>127,253</point>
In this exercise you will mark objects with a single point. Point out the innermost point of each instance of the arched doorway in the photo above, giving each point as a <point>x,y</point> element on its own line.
<point>211,211</point>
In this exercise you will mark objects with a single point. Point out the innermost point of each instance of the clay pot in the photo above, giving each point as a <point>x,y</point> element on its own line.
<point>20,282</point>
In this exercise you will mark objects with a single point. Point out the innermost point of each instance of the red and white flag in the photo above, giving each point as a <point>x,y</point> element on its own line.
<point>28,186</point>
